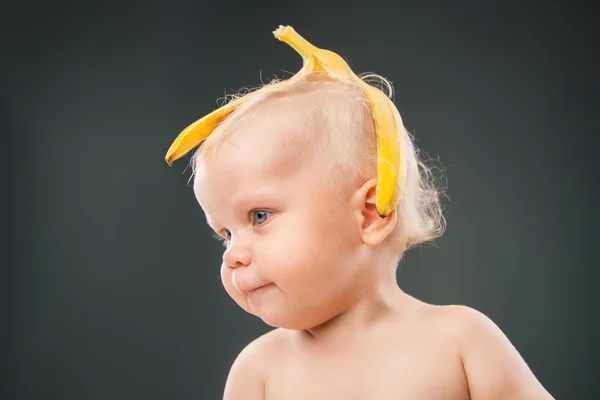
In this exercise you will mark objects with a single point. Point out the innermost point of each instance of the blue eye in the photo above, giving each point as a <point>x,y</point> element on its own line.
<point>261,216</point>
<point>258,216</point>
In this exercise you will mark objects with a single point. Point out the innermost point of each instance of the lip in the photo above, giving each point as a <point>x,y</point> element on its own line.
<point>255,289</point>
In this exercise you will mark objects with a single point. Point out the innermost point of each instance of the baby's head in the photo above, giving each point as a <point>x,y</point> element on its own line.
<point>288,181</point>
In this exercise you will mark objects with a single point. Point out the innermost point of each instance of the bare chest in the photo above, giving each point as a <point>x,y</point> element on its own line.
<point>420,372</point>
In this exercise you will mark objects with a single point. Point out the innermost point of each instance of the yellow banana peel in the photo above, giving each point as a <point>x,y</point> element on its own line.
<point>390,177</point>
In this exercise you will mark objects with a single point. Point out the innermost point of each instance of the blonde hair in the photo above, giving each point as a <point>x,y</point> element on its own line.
<point>344,132</point>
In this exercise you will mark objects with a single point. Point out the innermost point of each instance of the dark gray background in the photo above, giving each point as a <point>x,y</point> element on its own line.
<point>116,293</point>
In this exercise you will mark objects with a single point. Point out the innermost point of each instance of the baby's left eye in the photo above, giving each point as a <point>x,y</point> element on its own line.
<point>261,216</point>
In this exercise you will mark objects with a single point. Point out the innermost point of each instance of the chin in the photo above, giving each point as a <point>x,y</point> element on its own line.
<point>275,311</point>
<point>278,319</point>
<point>289,325</point>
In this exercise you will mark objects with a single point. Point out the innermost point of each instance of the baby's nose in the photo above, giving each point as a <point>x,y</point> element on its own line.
<point>237,256</point>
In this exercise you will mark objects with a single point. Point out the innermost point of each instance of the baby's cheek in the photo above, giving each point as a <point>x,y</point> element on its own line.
<point>299,260</point>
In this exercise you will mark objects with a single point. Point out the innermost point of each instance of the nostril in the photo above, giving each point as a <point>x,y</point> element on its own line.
<point>237,256</point>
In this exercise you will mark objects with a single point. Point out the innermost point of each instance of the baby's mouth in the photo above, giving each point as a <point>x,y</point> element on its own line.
<point>260,287</point>
<point>240,287</point>
<point>254,289</point>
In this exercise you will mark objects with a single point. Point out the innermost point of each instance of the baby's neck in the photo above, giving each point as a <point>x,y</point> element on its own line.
<point>385,304</point>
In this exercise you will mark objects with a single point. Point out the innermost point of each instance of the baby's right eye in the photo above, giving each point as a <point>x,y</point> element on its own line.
<point>225,240</point>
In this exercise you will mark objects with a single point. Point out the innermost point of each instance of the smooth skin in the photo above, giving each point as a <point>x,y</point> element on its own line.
<point>313,262</point>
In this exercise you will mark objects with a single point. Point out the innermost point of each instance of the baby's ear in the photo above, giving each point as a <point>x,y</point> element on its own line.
<point>373,227</point>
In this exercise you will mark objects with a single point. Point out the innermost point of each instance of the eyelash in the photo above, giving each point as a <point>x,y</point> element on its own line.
<point>220,239</point>
<point>224,240</point>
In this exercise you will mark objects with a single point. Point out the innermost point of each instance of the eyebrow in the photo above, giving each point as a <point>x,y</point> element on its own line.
<point>246,199</point>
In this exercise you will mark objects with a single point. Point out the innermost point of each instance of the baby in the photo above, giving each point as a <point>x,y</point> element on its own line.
<point>287,177</point>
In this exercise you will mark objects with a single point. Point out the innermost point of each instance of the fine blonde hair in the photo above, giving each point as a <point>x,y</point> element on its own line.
<point>341,128</point>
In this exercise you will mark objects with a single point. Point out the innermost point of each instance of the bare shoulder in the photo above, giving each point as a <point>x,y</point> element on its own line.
<point>246,379</point>
<point>493,367</point>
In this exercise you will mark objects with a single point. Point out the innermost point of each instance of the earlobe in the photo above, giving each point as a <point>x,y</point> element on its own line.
<point>373,227</point>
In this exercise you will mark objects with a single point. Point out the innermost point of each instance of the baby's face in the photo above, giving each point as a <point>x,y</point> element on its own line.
<point>286,233</point>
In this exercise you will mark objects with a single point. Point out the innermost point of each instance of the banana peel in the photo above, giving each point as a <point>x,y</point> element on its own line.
<point>391,177</point>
